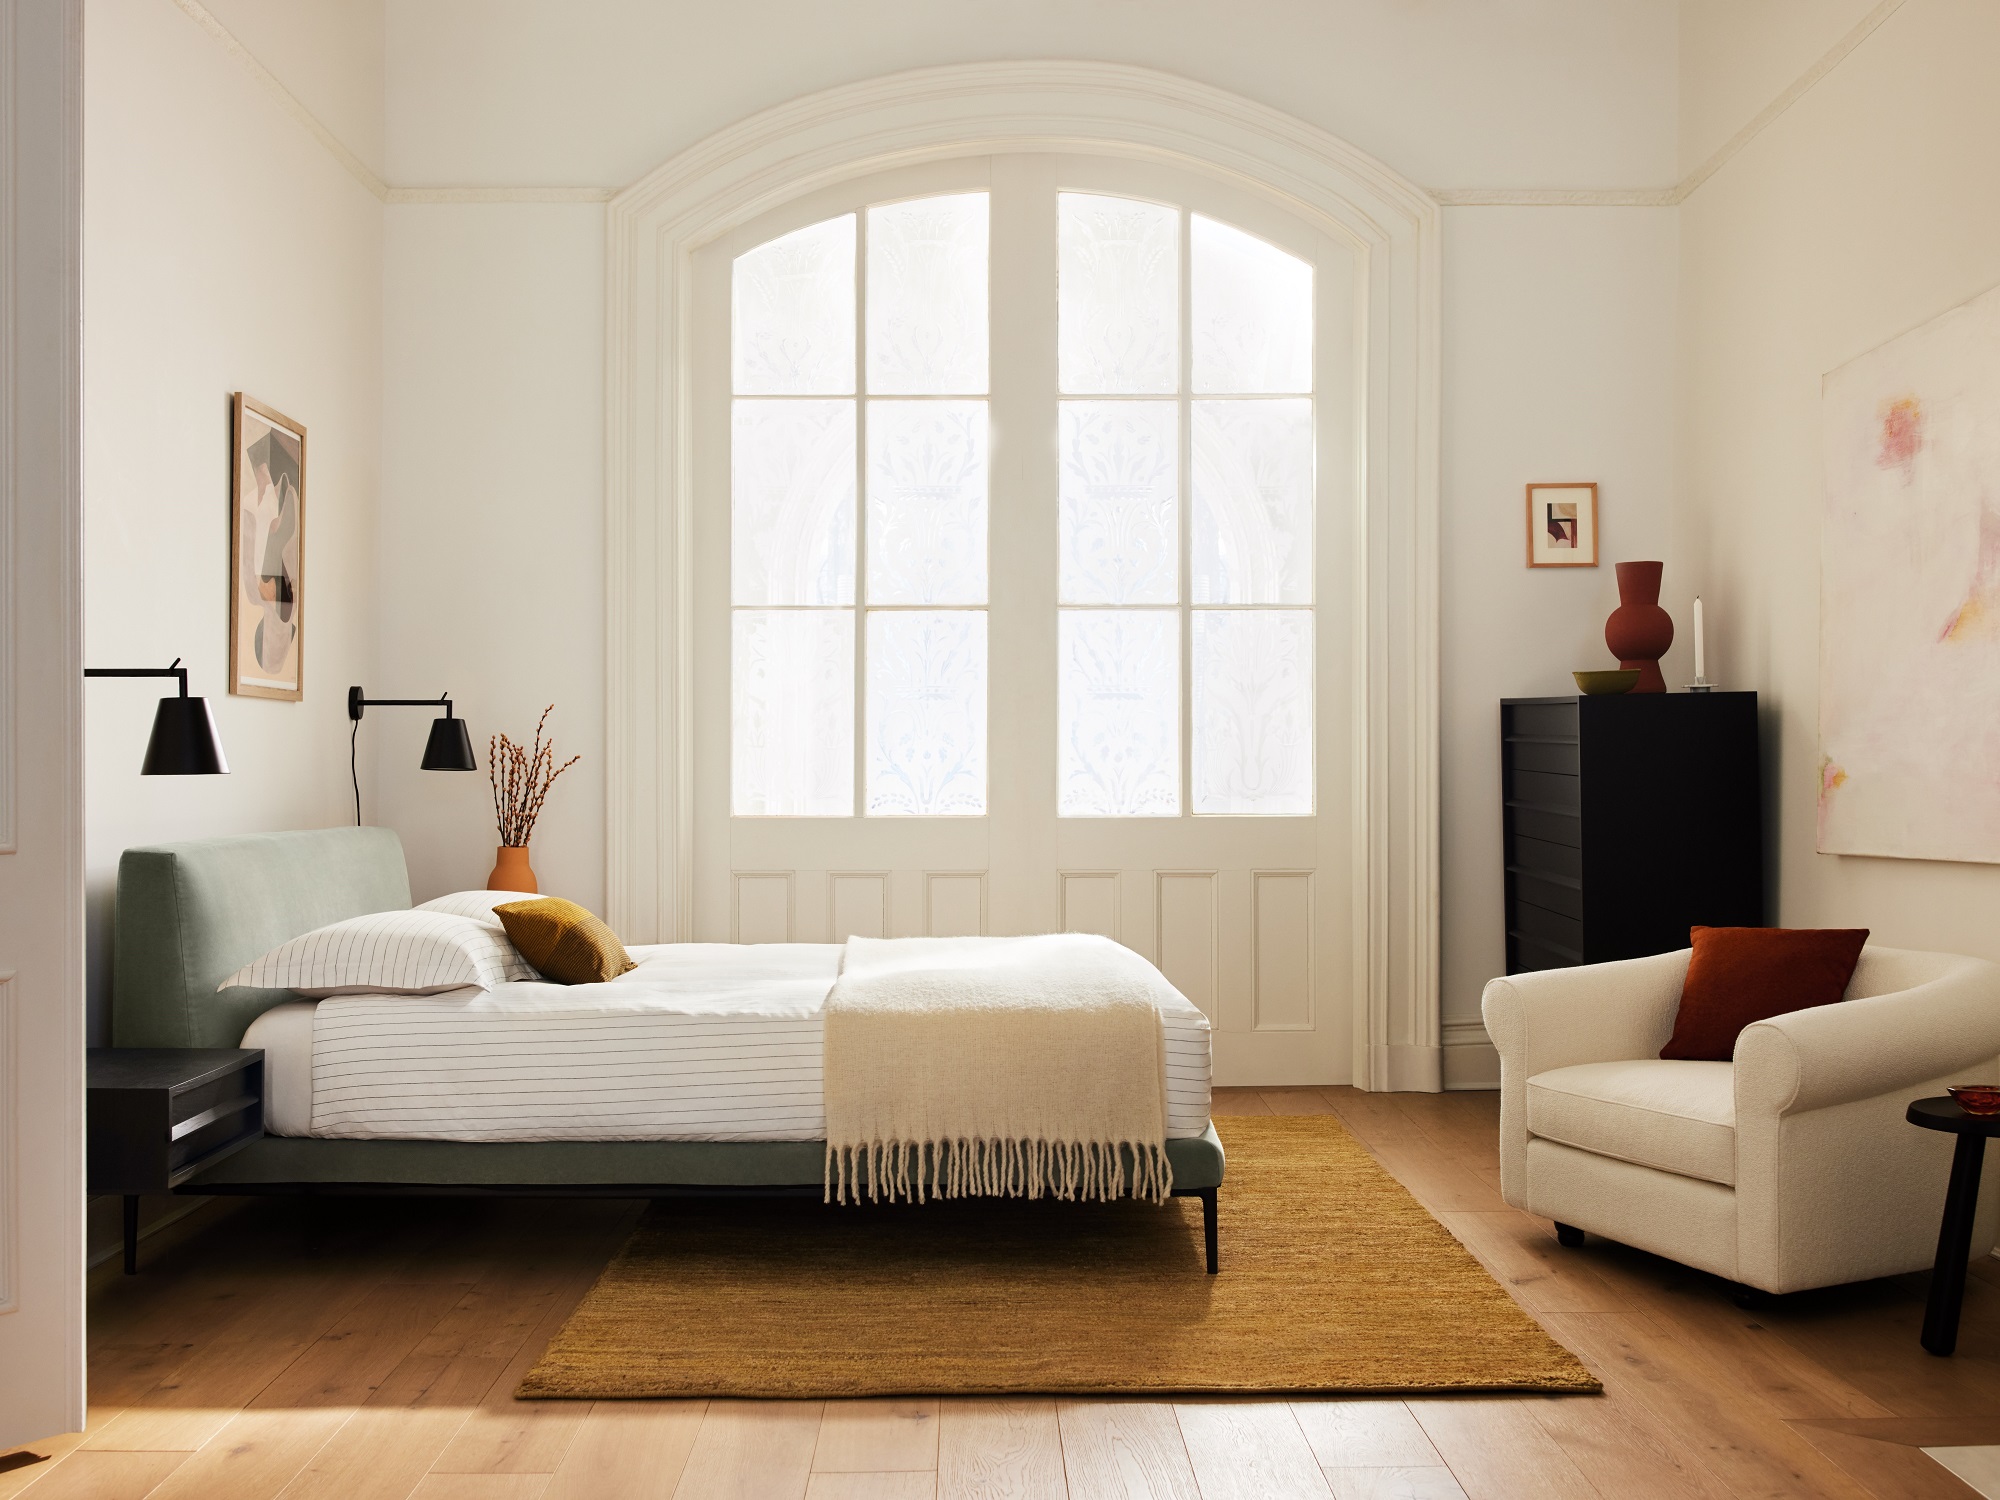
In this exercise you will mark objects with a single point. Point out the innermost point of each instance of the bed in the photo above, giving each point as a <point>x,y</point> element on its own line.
<point>721,1099</point>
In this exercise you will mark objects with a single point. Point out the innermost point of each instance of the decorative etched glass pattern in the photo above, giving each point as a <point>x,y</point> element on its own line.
<point>793,313</point>
<point>927,502</point>
<point>1120,502</point>
<point>926,713</point>
<point>1252,528</point>
<point>1118,708</point>
<point>791,510</point>
<point>1253,316</point>
<point>927,297</point>
<point>1118,324</point>
<point>792,714</point>
<point>1253,711</point>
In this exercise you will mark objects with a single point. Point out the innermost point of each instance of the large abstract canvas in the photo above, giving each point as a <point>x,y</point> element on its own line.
<point>1909,719</point>
<point>267,554</point>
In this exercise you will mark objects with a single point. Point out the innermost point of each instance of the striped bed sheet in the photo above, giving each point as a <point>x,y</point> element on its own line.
<point>700,1042</point>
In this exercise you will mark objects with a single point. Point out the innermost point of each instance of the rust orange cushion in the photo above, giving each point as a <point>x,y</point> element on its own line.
<point>1743,974</point>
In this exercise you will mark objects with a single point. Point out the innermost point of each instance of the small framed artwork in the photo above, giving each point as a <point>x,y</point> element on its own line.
<point>267,553</point>
<point>1562,525</point>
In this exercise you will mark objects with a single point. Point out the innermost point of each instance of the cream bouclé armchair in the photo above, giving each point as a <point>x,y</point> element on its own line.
<point>1789,1167</point>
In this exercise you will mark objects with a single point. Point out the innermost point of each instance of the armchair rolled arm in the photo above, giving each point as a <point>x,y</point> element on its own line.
<point>1859,1049</point>
<point>1554,1018</point>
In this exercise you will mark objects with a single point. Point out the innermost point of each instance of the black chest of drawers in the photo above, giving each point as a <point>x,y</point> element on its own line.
<point>1628,820</point>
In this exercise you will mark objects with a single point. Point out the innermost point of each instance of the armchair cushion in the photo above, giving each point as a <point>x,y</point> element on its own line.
<point>1740,975</point>
<point>1677,1116</point>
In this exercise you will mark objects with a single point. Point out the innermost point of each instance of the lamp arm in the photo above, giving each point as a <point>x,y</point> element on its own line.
<point>356,702</point>
<point>176,671</point>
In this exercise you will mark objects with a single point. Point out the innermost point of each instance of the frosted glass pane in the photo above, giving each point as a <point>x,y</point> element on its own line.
<point>1119,499</point>
<point>1253,711</point>
<point>1118,712</point>
<point>791,507</point>
<point>793,313</point>
<point>792,713</point>
<point>1119,277</point>
<point>927,713</point>
<point>927,502</point>
<point>1252,308</point>
<point>927,297</point>
<point>1252,537</point>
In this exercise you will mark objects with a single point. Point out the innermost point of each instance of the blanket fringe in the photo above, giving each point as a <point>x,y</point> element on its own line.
<point>916,1171</point>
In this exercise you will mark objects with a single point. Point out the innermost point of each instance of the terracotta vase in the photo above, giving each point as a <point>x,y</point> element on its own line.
<point>511,871</point>
<point>1639,631</point>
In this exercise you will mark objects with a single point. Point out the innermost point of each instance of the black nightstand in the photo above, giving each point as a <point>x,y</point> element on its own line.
<point>158,1115</point>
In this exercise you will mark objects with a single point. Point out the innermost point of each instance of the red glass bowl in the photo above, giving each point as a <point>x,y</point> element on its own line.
<point>1976,1098</point>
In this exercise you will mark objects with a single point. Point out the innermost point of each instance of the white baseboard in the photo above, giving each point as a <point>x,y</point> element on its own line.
<point>1408,1069</point>
<point>1470,1061</point>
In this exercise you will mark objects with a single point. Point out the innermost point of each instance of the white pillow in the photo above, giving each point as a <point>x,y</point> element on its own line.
<point>389,953</point>
<point>475,904</point>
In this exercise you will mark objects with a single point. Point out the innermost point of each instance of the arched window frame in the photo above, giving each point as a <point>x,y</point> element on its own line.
<point>655,227</point>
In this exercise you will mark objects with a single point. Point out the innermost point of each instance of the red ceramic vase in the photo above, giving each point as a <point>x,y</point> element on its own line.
<point>1639,631</point>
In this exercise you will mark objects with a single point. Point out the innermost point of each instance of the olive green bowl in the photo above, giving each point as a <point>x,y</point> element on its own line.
<point>1619,680</point>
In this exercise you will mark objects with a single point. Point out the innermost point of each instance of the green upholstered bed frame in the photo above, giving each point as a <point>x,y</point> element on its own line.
<point>190,914</point>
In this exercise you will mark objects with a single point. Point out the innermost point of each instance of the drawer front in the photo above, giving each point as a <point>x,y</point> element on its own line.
<point>1546,857</point>
<point>213,1115</point>
<point>1559,757</point>
<point>1547,927</point>
<point>1549,895</point>
<point>1543,720</point>
<point>1543,790</point>
<point>1548,827</point>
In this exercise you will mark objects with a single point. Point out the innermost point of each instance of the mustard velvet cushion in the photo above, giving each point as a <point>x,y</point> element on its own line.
<point>565,942</point>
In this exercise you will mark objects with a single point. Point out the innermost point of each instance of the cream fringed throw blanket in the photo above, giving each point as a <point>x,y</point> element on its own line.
<point>995,1067</point>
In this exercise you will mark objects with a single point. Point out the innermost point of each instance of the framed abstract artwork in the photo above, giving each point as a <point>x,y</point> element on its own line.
<point>1562,525</point>
<point>1909,671</point>
<point>267,553</point>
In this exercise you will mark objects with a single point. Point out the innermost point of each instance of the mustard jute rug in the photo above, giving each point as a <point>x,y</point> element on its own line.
<point>1333,1279</point>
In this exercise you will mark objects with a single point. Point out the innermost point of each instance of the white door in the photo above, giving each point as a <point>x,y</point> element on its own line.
<point>1024,527</point>
<point>41,682</point>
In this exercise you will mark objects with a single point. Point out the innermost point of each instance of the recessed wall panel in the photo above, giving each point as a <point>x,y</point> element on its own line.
<point>1089,902</point>
<point>1281,914</point>
<point>857,905</point>
<point>954,903</point>
<point>1186,900</point>
<point>763,905</point>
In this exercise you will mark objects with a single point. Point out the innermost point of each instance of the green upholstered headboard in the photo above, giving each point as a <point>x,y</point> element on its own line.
<point>191,914</point>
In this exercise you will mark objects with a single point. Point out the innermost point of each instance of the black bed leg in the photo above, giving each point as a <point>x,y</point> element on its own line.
<point>131,1234</point>
<point>1208,1226</point>
<point>1569,1235</point>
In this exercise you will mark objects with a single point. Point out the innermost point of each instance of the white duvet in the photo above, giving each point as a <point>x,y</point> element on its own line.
<point>700,1042</point>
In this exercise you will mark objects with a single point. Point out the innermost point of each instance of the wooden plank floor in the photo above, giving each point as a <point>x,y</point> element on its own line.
<point>369,1349</point>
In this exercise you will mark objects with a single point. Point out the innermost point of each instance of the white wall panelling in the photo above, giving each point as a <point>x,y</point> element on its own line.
<point>936,115</point>
<point>1087,901</point>
<point>763,906</point>
<point>1184,917</point>
<point>857,904</point>
<point>1281,977</point>
<point>954,903</point>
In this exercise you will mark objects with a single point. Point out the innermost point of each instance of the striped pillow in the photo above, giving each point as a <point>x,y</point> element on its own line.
<point>388,953</point>
<point>475,904</point>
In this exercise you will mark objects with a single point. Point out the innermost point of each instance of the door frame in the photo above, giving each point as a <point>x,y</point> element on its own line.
<point>41,721</point>
<point>653,230</point>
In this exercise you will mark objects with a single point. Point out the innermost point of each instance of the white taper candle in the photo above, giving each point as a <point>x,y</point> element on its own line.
<point>1700,656</point>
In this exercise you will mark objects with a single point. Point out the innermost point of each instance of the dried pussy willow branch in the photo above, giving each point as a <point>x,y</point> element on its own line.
<point>521,777</point>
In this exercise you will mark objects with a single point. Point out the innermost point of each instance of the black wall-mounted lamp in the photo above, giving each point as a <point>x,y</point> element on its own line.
<point>448,749</point>
<point>184,741</point>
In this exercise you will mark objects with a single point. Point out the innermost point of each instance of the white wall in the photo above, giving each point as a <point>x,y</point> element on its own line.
<point>225,250</point>
<point>1560,339</point>
<point>492,526</point>
<point>1872,206</point>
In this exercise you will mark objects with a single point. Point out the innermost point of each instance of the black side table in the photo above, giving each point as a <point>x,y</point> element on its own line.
<point>155,1116</point>
<point>1961,1203</point>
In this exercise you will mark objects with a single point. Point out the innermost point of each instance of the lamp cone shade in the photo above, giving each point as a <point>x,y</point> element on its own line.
<point>184,741</point>
<point>449,747</point>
